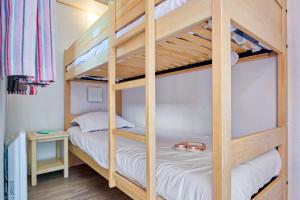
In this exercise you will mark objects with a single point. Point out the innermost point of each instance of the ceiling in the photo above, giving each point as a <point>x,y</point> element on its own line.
<point>97,7</point>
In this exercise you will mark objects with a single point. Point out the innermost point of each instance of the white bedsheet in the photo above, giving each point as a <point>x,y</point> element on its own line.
<point>180,175</point>
<point>162,9</point>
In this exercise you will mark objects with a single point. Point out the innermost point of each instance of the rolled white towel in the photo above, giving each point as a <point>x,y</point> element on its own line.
<point>234,58</point>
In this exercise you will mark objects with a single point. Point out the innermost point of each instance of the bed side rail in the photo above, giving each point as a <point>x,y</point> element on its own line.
<point>272,191</point>
<point>127,11</point>
<point>93,36</point>
<point>249,147</point>
<point>261,19</point>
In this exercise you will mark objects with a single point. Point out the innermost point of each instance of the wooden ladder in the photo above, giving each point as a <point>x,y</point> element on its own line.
<point>148,82</point>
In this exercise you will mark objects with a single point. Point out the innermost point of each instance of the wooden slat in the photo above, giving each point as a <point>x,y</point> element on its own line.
<point>129,84</point>
<point>205,51</point>
<point>274,191</point>
<point>249,147</point>
<point>198,40</point>
<point>206,33</point>
<point>131,34</point>
<point>112,93</point>
<point>260,19</point>
<point>187,49</point>
<point>128,11</point>
<point>221,70</point>
<point>130,135</point>
<point>173,50</point>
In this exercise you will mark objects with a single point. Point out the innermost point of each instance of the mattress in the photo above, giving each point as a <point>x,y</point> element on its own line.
<point>180,175</point>
<point>161,10</point>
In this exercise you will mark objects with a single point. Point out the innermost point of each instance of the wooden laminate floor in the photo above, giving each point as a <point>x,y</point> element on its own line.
<point>83,183</point>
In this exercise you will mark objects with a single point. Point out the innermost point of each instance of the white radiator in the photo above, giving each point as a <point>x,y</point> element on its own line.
<point>16,168</point>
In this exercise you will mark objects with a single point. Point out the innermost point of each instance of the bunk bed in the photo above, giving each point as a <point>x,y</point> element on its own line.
<point>134,42</point>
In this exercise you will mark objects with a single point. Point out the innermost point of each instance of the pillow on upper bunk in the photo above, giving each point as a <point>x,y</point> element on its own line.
<point>97,121</point>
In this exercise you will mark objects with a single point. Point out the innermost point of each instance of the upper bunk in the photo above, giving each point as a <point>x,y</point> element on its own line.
<point>183,37</point>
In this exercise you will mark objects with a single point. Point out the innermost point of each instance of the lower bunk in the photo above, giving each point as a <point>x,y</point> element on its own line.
<point>180,175</point>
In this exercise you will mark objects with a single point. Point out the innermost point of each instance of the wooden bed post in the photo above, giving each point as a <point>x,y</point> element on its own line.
<point>282,117</point>
<point>67,106</point>
<point>221,73</point>
<point>119,103</point>
<point>150,98</point>
<point>112,93</point>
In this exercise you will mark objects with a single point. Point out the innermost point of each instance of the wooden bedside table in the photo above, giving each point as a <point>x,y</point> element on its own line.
<point>45,166</point>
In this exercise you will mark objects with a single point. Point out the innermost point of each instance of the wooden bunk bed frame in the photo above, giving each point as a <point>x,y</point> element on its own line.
<point>155,44</point>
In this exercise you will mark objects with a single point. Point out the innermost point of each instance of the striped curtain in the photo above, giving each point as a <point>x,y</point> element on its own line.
<point>26,40</point>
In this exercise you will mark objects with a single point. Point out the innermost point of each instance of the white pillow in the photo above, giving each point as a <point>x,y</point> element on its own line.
<point>96,121</point>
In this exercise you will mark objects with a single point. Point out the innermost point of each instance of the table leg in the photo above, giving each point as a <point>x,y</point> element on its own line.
<point>33,163</point>
<point>58,149</point>
<point>66,158</point>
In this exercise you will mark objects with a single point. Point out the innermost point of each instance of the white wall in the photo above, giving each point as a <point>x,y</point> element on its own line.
<point>2,132</point>
<point>184,102</point>
<point>294,98</point>
<point>46,110</point>
<point>79,103</point>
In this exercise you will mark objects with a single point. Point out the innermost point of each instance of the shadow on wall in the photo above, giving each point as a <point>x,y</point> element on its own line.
<point>184,102</point>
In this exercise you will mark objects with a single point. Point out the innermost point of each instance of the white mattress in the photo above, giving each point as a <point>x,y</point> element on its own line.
<point>180,175</point>
<point>162,9</point>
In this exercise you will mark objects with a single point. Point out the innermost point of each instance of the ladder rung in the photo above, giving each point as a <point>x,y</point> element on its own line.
<point>129,35</point>
<point>130,135</point>
<point>130,84</point>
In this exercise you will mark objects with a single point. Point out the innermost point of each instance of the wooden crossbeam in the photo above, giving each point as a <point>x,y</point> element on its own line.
<point>249,147</point>
<point>130,135</point>
<point>129,84</point>
<point>129,35</point>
